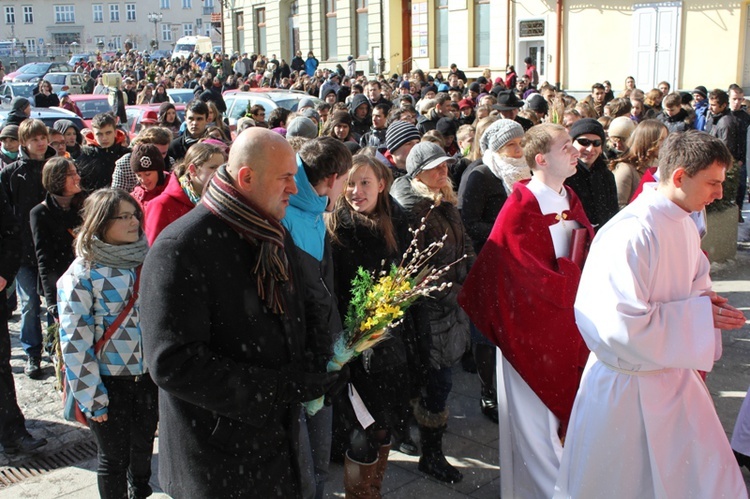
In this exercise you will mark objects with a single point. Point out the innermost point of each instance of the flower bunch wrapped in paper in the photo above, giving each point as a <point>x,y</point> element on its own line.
<point>379,300</point>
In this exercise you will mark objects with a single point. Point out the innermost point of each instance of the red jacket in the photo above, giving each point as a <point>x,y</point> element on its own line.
<point>520,296</point>
<point>165,209</point>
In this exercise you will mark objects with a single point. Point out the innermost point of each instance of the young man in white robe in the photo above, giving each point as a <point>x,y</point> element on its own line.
<point>643,424</point>
<point>520,294</point>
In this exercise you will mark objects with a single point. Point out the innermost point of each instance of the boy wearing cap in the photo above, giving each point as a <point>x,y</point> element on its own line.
<point>9,148</point>
<point>105,144</point>
<point>400,138</point>
<point>520,294</point>
<point>593,182</point>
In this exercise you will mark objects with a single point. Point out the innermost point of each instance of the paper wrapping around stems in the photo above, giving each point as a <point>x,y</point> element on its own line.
<point>341,355</point>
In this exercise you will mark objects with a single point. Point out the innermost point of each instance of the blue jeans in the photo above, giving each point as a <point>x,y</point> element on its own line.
<point>315,434</point>
<point>27,282</point>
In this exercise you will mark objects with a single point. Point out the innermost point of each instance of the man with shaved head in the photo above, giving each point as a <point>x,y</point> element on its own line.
<point>224,332</point>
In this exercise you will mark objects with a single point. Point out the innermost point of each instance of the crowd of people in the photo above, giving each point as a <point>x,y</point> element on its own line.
<point>200,273</point>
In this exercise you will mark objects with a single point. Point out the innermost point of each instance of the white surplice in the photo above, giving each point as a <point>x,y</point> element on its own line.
<point>530,448</point>
<point>643,423</point>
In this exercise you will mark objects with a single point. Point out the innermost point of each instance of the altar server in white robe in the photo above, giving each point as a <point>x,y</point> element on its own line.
<point>643,424</point>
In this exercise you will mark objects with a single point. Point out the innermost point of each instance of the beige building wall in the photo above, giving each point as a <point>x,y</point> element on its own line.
<point>713,44</point>
<point>85,30</point>
<point>310,21</point>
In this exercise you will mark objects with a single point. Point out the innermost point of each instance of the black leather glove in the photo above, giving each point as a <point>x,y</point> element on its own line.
<point>338,385</point>
<point>52,310</point>
<point>298,386</point>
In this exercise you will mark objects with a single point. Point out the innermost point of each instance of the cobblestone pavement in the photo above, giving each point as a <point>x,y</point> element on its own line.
<point>471,442</point>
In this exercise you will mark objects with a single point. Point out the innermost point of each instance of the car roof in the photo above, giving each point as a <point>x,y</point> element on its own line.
<point>43,113</point>
<point>177,90</point>
<point>178,107</point>
<point>271,93</point>
<point>77,97</point>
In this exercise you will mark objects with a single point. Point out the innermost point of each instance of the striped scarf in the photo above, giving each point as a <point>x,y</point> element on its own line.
<point>272,268</point>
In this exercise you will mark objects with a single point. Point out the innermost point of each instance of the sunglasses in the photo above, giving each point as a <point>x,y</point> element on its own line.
<point>588,142</point>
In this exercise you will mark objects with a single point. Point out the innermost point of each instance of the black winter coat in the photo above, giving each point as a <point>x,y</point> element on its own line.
<point>442,326</point>
<point>10,243</point>
<point>380,377</point>
<point>97,165</point>
<point>22,183</point>
<point>480,198</point>
<point>217,355</point>
<point>41,100</point>
<point>597,190</point>
<point>52,230</point>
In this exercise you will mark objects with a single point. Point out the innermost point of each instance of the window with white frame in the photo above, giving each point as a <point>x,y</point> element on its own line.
<point>65,14</point>
<point>187,29</point>
<point>130,12</point>
<point>31,45</point>
<point>117,42</point>
<point>187,4</point>
<point>165,4</point>
<point>114,13</point>
<point>10,15</point>
<point>98,13</point>
<point>166,33</point>
<point>28,14</point>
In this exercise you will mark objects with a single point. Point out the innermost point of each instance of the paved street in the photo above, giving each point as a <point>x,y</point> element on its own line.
<point>471,444</point>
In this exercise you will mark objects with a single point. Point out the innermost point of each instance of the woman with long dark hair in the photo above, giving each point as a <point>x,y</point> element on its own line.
<point>368,229</point>
<point>102,344</point>
<point>167,118</point>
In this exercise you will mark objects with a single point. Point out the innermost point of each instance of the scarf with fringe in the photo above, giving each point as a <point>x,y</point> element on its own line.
<point>272,268</point>
<point>509,170</point>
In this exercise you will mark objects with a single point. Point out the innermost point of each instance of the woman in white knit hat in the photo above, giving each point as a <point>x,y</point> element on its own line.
<point>481,195</point>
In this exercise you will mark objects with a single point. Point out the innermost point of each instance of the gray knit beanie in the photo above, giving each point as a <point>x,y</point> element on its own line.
<point>500,133</point>
<point>302,126</point>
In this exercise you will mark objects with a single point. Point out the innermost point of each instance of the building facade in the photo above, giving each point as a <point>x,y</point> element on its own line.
<point>76,26</point>
<point>331,29</point>
<point>686,43</point>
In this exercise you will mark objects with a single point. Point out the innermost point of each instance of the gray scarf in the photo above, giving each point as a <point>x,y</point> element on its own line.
<point>119,256</point>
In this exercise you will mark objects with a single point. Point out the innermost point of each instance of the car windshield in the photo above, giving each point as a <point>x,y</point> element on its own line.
<point>39,67</point>
<point>23,90</point>
<point>90,108</point>
<point>290,104</point>
<point>184,47</point>
<point>182,96</point>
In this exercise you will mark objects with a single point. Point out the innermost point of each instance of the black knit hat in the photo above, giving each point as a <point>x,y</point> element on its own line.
<point>147,158</point>
<point>446,127</point>
<point>587,125</point>
<point>399,133</point>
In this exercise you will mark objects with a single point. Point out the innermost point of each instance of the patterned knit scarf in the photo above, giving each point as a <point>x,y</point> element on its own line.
<point>272,267</point>
<point>187,188</point>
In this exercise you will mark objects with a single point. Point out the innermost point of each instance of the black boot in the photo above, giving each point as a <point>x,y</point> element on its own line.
<point>485,358</point>
<point>431,429</point>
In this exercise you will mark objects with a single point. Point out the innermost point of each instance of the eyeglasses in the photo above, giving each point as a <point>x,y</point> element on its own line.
<point>127,217</point>
<point>588,142</point>
<point>57,144</point>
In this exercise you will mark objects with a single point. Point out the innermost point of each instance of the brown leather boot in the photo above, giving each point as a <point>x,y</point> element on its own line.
<point>377,482</point>
<point>359,479</point>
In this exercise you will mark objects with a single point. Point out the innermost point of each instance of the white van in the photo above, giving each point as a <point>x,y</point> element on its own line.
<point>188,44</point>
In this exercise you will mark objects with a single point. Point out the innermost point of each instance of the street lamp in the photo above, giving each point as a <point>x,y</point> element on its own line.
<point>155,17</point>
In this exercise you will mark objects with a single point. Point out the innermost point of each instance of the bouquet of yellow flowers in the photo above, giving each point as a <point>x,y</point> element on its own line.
<point>379,300</point>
